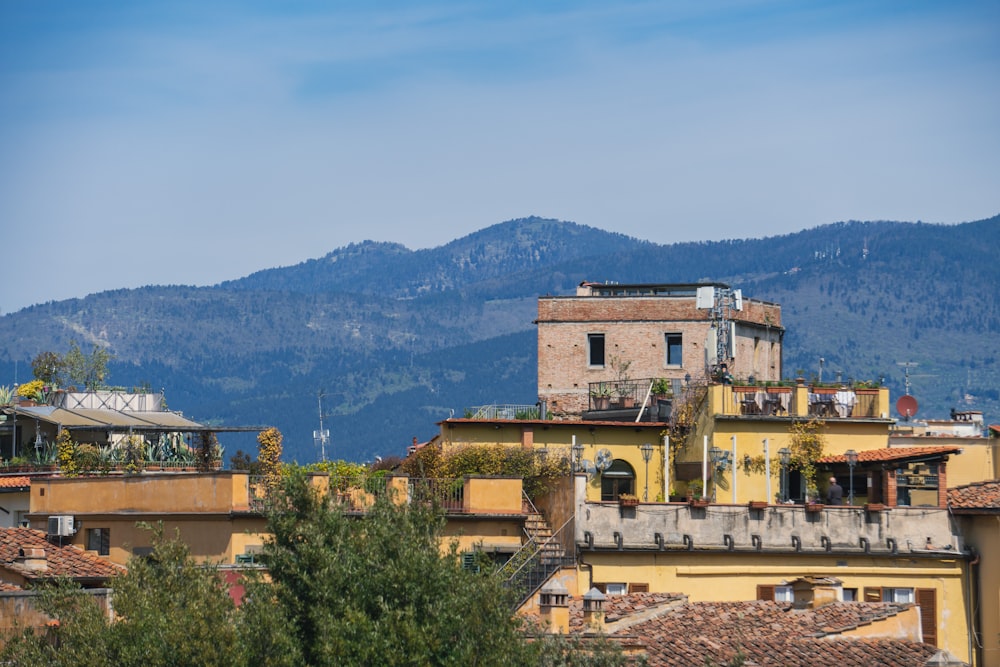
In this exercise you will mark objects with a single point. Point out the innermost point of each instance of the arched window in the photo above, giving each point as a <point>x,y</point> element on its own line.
<point>619,478</point>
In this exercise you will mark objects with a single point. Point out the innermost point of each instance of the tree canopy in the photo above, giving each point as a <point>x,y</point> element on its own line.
<point>339,590</point>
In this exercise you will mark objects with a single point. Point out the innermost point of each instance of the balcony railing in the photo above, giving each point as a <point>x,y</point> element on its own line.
<point>509,411</point>
<point>801,401</point>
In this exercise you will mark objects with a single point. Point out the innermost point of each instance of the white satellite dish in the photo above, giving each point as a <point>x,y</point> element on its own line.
<point>604,459</point>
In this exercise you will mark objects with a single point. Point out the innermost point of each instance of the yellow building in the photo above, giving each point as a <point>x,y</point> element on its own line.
<point>978,508</point>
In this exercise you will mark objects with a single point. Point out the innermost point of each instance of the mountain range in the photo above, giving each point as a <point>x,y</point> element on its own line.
<point>387,341</point>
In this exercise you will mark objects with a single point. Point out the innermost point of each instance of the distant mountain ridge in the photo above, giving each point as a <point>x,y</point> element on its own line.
<point>398,339</point>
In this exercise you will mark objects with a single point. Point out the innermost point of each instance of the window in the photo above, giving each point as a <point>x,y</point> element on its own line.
<point>99,540</point>
<point>595,349</point>
<point>778,593</point>
<point>850,594</point>
<point>615,589</point>
<point>925,598</point>
<point>673,344</point>
<point>619,478</point>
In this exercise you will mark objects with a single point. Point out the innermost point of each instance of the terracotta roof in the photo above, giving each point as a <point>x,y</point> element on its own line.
<point>995,428</point>
<point>894,454</point>
<point>772,633</point>
<point>680,634</point>
<point>15,482</point>
<point>65,561</point>
<point>977,496</point>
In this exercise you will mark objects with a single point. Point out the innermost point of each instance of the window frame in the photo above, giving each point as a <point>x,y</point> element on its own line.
<point>668,361</point>
<point>591,338</point>
<point>101,537</point>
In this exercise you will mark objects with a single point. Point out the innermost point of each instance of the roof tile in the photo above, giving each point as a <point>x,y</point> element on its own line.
<point>893,454</point>
<point>976,496</point>
<point>68,561</point>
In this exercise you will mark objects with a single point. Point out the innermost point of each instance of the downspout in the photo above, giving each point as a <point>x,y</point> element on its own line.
<point>972,612</point>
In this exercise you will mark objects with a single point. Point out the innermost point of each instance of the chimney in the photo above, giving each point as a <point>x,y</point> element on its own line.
<point>553,603</point>
<point>593,610</point>
<point>815,592</point>
<point>32,558</point>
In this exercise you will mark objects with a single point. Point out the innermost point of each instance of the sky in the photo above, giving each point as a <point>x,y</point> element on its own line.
<point>196,141</point>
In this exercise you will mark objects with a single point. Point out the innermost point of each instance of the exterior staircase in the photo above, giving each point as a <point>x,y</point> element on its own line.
<point>541,555</point>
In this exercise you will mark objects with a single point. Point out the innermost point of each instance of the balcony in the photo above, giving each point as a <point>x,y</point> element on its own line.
<point>622,400</point>
<point>801,401</point>
<point>915,532</point>
<point>497,496</point>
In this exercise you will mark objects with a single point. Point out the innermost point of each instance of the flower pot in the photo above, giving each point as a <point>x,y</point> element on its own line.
<point>757,504</point>
<point>875,507</point>
<point>628,502</point>
<point>602,402</point>
<point>699,502</point>
<point>814,507</point>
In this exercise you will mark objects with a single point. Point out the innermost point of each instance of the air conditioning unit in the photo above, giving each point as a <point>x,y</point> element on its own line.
<point>61,526</point>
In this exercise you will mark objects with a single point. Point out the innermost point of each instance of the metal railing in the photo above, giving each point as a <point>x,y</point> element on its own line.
<point>532,565</point>
<point>509,411</point>
<point>448,494</point>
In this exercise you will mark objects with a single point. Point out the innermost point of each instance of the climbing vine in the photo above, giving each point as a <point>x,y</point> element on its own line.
<point>269,457</point>
<point>66,454</point>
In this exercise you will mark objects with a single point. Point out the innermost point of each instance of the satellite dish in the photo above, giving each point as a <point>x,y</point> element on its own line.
<point>604,459</point>
<point>588,467</point>
<point>906,406</point>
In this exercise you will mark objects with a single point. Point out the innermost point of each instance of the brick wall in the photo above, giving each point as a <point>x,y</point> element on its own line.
<point>634,330</point>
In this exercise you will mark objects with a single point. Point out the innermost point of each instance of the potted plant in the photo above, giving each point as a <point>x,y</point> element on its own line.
<point>627,500</point>
<point>662,389</point>
<point>695,490</point>
<point>757,504</point>
<point>602,396</point>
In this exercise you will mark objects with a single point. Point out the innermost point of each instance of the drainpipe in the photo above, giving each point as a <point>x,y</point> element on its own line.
<point>704,467</point>
<point>733,469</point>
<point>666,468</point>
<point>767,468</point>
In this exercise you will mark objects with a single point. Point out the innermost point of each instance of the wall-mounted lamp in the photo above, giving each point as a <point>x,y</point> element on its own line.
<point>647,454</point>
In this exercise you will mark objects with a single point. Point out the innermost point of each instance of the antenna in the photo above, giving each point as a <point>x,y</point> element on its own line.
<point>906,373</point>
<point>721,301</point>
<point>322,436</point>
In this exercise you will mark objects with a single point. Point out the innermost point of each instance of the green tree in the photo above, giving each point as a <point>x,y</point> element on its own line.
<point>48,367</point>
<point>89,370</point>
<point>170,612</point>
<point>379,590</point>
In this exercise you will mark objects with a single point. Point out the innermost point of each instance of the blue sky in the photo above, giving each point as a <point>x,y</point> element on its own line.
<point>193,142</point>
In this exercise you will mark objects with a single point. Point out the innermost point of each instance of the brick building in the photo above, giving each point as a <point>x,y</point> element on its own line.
<point>616,339</point>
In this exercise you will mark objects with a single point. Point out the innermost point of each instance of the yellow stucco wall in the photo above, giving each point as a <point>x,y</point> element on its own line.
<point>983,533</point>
<point>708,577</point>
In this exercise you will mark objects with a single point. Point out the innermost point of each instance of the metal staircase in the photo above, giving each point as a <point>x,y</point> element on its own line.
<point>542,554</point>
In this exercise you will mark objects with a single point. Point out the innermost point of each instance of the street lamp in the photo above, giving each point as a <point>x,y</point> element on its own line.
<point>852,460</point>
<point>577,456</point>
<point>647,454</point>
<point>785,456</point>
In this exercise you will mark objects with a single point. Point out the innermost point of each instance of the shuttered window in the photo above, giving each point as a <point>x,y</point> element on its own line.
<point>927,601</point>
<point>638,588</point>
<point>765,592</point>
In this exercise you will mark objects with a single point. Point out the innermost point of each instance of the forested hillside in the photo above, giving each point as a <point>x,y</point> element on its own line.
<point>398,339</point>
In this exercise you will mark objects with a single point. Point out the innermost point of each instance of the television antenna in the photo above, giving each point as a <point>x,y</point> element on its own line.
<point>322,436</point>
<point>721,301</point>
